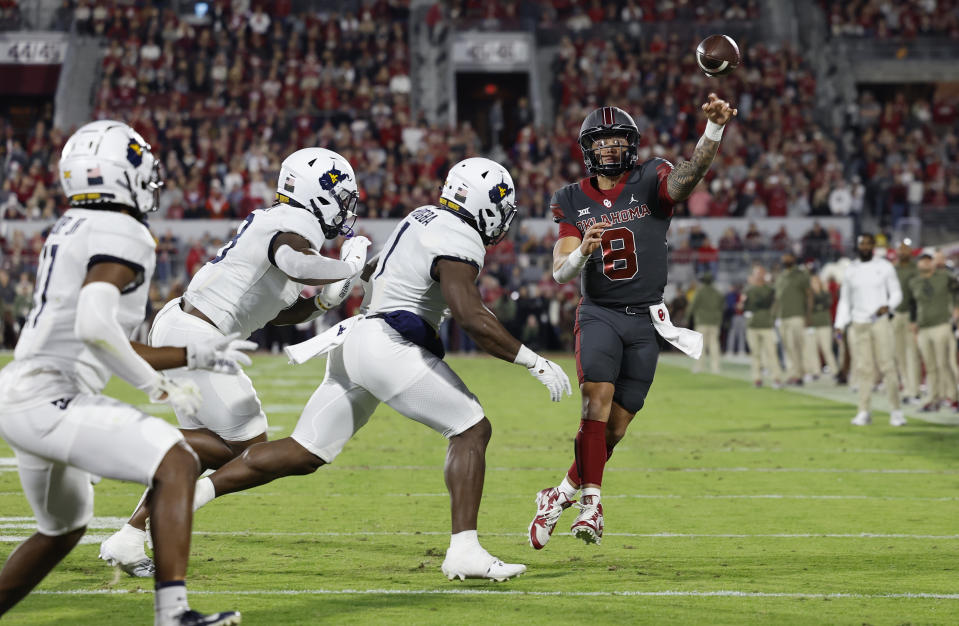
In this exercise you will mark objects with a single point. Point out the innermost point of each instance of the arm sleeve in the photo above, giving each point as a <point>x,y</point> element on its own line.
<point>97,326</point>
<point>844,307</point>
<point>566,227</point>
<point>665,202</point>
<point>299,266</point>
<point>893,288</point>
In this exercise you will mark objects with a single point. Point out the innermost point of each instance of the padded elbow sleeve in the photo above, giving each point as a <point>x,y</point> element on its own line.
<point>97,326</point>
<point>299,266</point>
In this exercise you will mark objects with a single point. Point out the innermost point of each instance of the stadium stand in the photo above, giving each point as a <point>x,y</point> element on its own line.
<point>223,99</point>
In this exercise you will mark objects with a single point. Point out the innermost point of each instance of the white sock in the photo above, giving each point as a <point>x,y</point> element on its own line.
<point>591,491</point>
<point>568,488</point>
<point>170,600</point>
<point>464,539</point>
<point>203,493</point>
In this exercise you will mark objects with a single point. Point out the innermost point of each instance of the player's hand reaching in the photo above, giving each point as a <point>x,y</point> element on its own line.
<point>354,252</point>
<point>553,377</point>
<point>593,237</point>
<point>224,355</point>
<point>718,111</point>
<point>183,396</point>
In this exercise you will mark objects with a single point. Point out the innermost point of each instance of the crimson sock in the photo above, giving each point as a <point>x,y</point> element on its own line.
<point>573,474</point>
<point>591,451</point>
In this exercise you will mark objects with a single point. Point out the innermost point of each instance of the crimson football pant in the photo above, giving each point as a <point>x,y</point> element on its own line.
<point>611,346</point>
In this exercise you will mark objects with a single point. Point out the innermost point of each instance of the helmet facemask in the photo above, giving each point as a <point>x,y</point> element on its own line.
<point>346,201</point>
<point>628,153</point>
<point>495,220</point>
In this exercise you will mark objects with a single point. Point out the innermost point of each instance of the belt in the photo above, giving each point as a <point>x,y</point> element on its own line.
<point>195,312</point>
<point>628,309</point>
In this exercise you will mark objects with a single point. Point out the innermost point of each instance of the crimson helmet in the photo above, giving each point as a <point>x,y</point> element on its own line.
<point>604,122</point>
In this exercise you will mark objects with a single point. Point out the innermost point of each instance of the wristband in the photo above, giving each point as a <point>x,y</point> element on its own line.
<point>713,132</point>
<point>577,259</point>
<point>571,267</point>
<point>525,357</point>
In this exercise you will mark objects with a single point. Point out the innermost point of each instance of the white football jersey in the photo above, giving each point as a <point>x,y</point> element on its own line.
<point>240,289</point>
<point>404,278</point>
<point>49,360</point>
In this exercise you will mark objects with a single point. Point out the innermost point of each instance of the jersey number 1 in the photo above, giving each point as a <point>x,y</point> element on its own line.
<point>619,254</point>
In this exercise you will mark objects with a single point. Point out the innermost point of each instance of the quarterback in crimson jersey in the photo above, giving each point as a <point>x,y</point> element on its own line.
<point>612,230</point>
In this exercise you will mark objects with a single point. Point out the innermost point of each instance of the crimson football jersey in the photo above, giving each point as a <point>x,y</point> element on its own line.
<point>629,268</point>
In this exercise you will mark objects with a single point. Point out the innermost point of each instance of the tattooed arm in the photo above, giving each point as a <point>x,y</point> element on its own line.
<point>685,176</point>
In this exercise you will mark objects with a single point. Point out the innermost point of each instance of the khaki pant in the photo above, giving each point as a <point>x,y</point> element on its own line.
<point>907,354</point>
<point>872,344</point>
<point>819,342</point>
<point>952,356</point>
<point>793,329</point>
<point>934,345</point>
<point>710,348</point>
<point>762,349</point>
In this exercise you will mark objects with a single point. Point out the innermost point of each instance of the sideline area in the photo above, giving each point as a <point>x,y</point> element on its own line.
<point>737,368</point>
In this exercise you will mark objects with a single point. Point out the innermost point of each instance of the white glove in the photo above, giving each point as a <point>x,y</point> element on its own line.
<point>333,294</point>
<point>354,252</point>
<point>183,396</point>
<point>223,355</point>
<point>553,377</point>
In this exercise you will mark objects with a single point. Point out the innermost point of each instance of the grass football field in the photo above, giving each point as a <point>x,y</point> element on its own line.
<point>725,504</point>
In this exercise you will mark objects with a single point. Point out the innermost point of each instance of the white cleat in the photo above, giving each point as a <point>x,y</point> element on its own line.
<point>124,549</point>
<point>476,562</point>
<point>862,419</point>
<point>896,418</point>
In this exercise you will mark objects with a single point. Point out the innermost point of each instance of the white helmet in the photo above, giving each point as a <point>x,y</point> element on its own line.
<point>107,162</point>
<point>481,192</point>
<point>323,182</point>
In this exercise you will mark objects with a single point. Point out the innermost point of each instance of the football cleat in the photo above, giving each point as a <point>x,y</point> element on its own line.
<point>125,550</point>
<point>862,419</point>
<point>896,418</point>
<point>550,504</point>
<point>195,618</point>
<point>476,562</point>
<point>589,524</point>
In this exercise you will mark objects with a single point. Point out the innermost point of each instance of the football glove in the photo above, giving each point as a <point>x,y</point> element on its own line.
<point>354,252</point>
<point>223,355</point>
<point>183,396</point>
<point>553,377</point>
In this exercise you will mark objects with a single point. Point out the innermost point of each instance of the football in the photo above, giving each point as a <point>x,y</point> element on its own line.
<point>717,55</point>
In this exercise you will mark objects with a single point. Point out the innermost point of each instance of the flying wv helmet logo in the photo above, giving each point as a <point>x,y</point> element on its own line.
<point>331,177</point>
<point>134,153</point>
<point>498,193</point>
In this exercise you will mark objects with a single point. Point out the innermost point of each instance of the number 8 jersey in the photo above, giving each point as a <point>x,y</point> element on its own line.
<point>629,268</point>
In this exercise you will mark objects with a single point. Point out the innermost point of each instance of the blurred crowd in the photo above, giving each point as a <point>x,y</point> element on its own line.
<point>225,101</point>
<point>904,19</point>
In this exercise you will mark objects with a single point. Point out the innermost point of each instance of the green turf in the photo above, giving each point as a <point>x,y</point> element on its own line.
<point>724,505</point>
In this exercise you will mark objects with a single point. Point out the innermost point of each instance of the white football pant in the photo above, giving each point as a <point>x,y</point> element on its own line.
<point>375,364</point>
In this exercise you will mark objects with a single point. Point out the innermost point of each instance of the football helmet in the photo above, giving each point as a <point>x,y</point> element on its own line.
<point>107,162</point>
<point>481,192</point>
<point>606,122</point>
<point>322,182</point>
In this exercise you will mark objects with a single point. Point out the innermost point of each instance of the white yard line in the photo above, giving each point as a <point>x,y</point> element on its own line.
<point>96,538</point>
<point>723,593</point>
